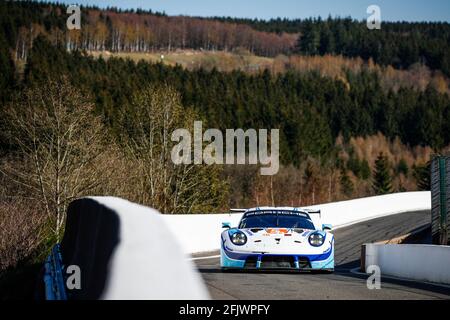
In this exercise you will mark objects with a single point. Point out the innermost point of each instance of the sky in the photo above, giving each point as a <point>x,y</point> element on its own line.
<point>391,10</point>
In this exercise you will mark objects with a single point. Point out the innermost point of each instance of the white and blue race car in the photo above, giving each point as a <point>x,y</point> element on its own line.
<point>277,238</point>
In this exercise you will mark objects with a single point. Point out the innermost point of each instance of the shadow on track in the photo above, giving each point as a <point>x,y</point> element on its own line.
<point>344,270</point>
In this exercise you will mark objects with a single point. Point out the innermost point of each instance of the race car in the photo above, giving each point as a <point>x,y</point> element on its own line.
<point>278,238</point>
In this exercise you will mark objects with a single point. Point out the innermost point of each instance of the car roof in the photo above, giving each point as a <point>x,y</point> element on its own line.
<point>267,208</point>
<point>288,210</point>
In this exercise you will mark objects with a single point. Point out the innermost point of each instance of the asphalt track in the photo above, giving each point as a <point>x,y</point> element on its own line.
<point>342,284</point>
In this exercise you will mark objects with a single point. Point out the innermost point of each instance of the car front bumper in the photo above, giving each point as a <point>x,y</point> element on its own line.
<point>267,261</point>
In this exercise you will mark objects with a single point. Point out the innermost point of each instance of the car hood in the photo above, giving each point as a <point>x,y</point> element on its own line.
<point>281,241</point>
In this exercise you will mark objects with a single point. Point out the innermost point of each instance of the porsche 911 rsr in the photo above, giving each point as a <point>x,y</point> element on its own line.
<point>277,238</point>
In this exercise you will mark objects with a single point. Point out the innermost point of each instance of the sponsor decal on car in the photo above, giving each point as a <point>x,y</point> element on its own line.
<point>276,230</point>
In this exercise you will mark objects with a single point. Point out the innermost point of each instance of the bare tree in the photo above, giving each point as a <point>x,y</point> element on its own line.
<point>162,184</point>
<point>59,142</point>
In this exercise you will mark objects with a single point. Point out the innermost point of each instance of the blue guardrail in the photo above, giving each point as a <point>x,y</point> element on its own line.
<point>54,280</point>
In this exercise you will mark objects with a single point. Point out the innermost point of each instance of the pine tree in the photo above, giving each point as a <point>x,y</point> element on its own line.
<point>402,167</point>
<point>382,180</point>
<point>346,183</point>
<point>422,175</point>
<point>364,170</point>
<point>7,69</point>
<point>309,41</point>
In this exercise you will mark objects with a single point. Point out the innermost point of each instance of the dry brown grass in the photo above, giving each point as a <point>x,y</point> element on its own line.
<point>417,76</point>
<point>21,231</point>
<point>192,59</point>
<point>369,147</point>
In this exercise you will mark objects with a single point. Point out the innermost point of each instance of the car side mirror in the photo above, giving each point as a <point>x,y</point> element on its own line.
<point>327,227</point>
<point>226,225</point>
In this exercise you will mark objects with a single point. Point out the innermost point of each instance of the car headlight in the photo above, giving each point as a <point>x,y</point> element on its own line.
<point>316,239</point>
<point>238,238</point>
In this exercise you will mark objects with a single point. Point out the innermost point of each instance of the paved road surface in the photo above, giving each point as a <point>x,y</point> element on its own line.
<point>343,284</point>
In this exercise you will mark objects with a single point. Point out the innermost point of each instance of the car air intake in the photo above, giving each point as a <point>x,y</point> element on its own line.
<point>270,262</point>
<point>303,263</point>
<point>251,262</point>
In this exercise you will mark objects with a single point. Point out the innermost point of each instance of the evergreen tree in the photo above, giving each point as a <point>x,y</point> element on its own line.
<point>346,183</point>
<point>7,69</point>
<point>402,167</point>
<point>360,168</point>
<point>364,170</point>
<point>309,42</point>
<point>422,175</point>
<point>382,180</point>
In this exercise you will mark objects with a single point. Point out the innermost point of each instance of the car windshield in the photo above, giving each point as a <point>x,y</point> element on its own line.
<point>276,220</point>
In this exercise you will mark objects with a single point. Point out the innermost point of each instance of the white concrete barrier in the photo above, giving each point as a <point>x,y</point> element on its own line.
<point>344,213</point>
<point>410,261</point>
<point>201,232</point>
<point>126,251</point>
<point>147,251</point>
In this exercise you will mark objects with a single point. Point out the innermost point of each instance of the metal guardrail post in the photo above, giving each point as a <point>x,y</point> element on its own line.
<point>443,200</point>
<point>440,199</point>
